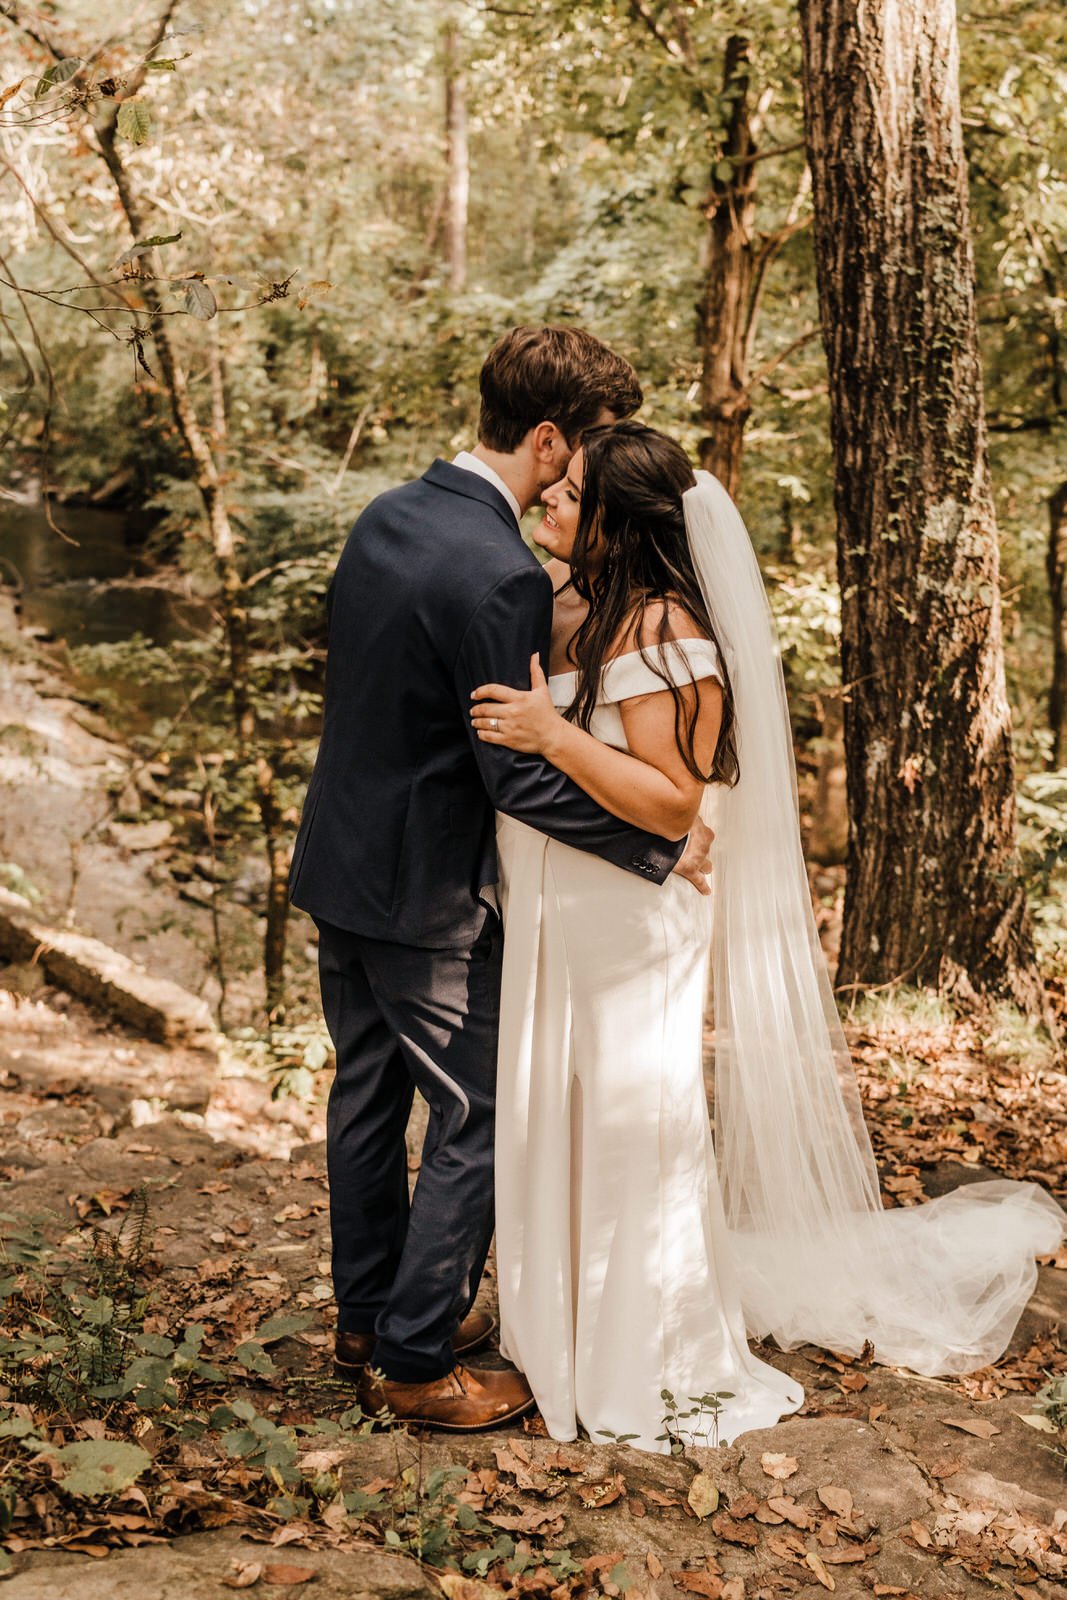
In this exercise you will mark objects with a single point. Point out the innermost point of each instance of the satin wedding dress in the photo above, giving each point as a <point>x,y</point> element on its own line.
<point>615,1268</point>
<point>633,1255</point>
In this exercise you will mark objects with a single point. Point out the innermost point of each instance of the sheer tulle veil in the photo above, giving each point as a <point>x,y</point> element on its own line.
<point>938,1287</point>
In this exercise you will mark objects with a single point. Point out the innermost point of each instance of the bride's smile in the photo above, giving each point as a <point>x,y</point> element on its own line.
<point>562,501</point>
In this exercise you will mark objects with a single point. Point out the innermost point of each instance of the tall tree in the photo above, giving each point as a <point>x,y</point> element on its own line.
<point>934,890</point>
<point>1057,583</point>
<point>207,456</point>
<point>738,257</point>
<point>458,154</point>
<point>736,253</point>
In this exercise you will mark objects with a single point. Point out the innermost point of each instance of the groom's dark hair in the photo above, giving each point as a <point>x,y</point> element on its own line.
<point>551,374</point>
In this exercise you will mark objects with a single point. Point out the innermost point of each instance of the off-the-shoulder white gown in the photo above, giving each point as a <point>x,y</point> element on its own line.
<point>613,1256</point>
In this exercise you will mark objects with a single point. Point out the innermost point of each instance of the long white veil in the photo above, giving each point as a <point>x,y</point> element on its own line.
<point>939,1287</point>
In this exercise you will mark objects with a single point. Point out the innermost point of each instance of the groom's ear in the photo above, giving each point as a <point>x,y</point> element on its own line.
<point>550,446</point>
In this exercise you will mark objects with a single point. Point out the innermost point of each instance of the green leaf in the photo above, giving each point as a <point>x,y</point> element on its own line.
<point>16,1428</point>
<point>200,302</point>
<point>157,239</point>
<point>101,1466</point>
<point>59,73</point>
<point>253,1357</point>
<point>282,1327</point>
<point>724,171</point>
<point>134,121</point>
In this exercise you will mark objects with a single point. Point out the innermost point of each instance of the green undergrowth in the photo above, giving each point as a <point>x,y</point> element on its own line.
<point>108,1425</point>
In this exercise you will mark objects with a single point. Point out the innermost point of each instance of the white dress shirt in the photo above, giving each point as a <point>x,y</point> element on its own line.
<point>472,463</point>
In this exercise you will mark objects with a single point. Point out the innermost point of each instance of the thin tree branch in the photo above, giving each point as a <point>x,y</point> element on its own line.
<point>772,246</point>
<point>642,13</point>
<point>768,367</point>
<point>64,244</point>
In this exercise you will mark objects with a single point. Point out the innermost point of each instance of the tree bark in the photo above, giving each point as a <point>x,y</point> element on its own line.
<point>725,404</point>
<point>935,893</point>
<point>1057,584</point>
<point>458,152</point>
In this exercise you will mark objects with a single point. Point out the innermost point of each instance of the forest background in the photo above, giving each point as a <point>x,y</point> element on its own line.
<point>252,255</point>
<point>328,212</point>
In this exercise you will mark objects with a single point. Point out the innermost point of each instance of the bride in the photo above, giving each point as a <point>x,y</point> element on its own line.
<point>634,1254</point>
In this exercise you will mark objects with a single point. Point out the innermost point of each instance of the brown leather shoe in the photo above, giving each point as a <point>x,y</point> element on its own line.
<point>352,1351</point>
<point>465,1400</point>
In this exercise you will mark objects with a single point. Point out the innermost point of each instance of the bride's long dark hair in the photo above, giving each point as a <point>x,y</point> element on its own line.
<point>631,515</point>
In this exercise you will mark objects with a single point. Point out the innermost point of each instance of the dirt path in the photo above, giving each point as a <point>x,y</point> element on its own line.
<point>884,1484</point>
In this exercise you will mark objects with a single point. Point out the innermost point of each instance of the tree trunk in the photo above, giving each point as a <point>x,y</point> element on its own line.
<point>208,481</point>
<point>934,893</point>
<point>724,309</point>
<point>458,160</point>
<point>217,376</point>
<point>1057,583</point>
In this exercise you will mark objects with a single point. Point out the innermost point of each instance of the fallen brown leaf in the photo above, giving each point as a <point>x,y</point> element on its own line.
<point>457,1587</point>
<point>776,1465</point>
<point>734,1532</point>
<point>851,1553</point>
<point>698,1583</point>
<point>659,1499</point>
<point>594,1564</point>
<point>605,1493</point>
<point>703,1495</point>
<point>787,1507</point>
<point>787,1545</point>
<point>766,1515</point>
<point>247,1573</point>
<point>280,1574</point>
<point>839,1501</point>
<point>921,1534</point>
<point>536,1520</point>
<point>815,1562</point>
<point>654,1564</point>
<point>981,1427</point>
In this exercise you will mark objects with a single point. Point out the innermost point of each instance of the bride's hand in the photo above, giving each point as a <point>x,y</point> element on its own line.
<point>521,719</point>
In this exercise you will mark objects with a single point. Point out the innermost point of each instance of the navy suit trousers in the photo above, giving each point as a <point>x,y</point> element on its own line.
<point>403,1019</point>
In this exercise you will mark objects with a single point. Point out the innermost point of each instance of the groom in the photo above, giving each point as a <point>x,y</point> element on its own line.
<point>435,593</point>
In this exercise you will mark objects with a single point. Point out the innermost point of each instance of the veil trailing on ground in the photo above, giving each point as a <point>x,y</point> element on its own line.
<point>939,1287</point>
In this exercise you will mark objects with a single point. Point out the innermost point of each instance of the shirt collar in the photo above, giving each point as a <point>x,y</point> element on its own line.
<point>472,463</point>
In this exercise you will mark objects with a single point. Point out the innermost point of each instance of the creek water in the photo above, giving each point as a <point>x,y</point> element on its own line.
<point>94,586</point>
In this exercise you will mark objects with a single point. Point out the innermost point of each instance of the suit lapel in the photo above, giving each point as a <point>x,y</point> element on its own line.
<point>445,475</point>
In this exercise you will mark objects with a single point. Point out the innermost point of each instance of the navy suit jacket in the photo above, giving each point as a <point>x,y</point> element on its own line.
<point>434,593</point>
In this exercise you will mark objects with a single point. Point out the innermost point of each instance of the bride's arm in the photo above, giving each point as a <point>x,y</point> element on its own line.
<point>649,785</point>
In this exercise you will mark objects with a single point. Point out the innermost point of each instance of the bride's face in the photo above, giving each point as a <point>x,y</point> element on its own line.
<point>562,502</point>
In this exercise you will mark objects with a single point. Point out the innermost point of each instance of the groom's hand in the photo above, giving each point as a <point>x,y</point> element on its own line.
<point>695,861</point>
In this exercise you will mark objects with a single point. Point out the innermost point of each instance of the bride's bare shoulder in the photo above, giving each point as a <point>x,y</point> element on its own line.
<point>653,622</point>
